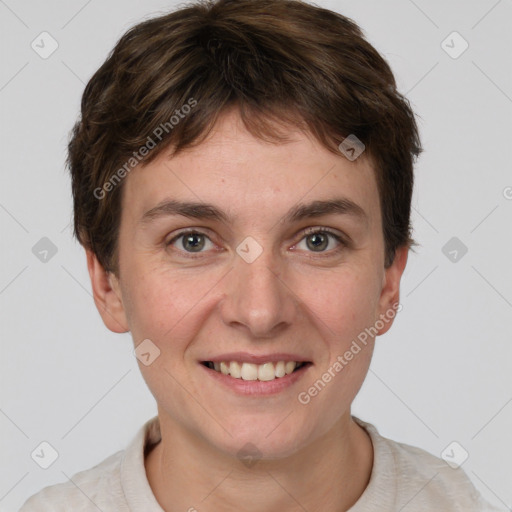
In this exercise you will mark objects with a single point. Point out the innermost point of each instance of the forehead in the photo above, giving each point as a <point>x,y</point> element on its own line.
<point>238,172</point>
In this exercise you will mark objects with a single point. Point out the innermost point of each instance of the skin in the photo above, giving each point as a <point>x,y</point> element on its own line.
<point>292,298</point>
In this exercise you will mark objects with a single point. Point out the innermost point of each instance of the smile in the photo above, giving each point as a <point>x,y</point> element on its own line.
<point>249,371</point>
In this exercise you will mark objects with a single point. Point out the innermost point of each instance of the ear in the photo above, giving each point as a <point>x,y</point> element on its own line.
<point>390,295</point>
<point>107,295</point>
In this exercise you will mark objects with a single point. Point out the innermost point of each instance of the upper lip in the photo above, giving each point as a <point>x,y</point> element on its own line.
<point>246,357</point>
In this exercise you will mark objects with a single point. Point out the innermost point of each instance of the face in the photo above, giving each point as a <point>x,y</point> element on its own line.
<point>285,265</point>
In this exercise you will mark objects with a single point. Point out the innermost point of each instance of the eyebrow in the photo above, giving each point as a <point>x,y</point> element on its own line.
<point>204,211</point>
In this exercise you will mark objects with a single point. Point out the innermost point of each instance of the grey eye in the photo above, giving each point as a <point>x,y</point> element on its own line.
<point>193,242</point>
<point>317,241</point>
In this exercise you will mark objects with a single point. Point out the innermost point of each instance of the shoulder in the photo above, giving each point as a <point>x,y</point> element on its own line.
<point>85,491</point>
<point>427,479</point>
<point>422,481</point>
<point>118,483</point>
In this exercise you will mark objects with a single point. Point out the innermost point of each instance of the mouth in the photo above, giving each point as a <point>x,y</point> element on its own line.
<point>265,372</point>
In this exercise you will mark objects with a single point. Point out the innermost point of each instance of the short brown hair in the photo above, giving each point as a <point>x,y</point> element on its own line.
<point>277,62</point>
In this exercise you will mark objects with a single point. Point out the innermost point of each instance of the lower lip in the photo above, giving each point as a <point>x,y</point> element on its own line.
<point>257,387</point>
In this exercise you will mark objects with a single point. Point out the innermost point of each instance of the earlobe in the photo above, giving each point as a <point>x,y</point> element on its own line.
<point>107,295</point>
<point>390,294</point>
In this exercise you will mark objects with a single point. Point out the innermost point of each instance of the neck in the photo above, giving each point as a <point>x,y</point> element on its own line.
<point>329,474</point>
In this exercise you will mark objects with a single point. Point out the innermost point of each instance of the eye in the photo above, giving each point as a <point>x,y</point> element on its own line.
<point>191,241</point>
<point>317,240</point>
<point>321,240</point>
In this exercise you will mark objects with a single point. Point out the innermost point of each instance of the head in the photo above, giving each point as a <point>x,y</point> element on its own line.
<point>238,108</point>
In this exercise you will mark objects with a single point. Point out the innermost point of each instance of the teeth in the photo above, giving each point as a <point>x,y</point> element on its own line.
<point>266,372</point>
<point>280,369</point>
<point>249,371</point>
<point>224,368</point>
<point>289,367</point>
<point>235,370</point>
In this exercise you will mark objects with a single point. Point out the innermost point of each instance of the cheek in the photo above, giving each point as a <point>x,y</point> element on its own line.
<point>150,309</point>
<point>342,307</point>
<point>344,303</point>
<point>162,306</point>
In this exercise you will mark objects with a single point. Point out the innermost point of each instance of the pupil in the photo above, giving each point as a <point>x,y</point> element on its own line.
<point>318,241</point>
<point>194,244</point>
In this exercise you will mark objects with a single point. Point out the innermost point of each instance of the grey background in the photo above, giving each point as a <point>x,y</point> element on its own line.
<point>441,374</point>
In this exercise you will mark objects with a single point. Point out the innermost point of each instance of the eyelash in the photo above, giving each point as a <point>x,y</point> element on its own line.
<point>307,232</point>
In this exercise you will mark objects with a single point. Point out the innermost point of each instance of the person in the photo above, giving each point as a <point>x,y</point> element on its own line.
<point>242,174</point>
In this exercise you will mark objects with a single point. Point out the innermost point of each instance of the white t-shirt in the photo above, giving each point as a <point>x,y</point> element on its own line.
<point>404,478</point>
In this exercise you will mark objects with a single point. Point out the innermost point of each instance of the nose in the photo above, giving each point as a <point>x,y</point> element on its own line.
<point>258,300</point>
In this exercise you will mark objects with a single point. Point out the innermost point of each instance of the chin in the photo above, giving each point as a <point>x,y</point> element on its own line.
<point>265,439</point>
